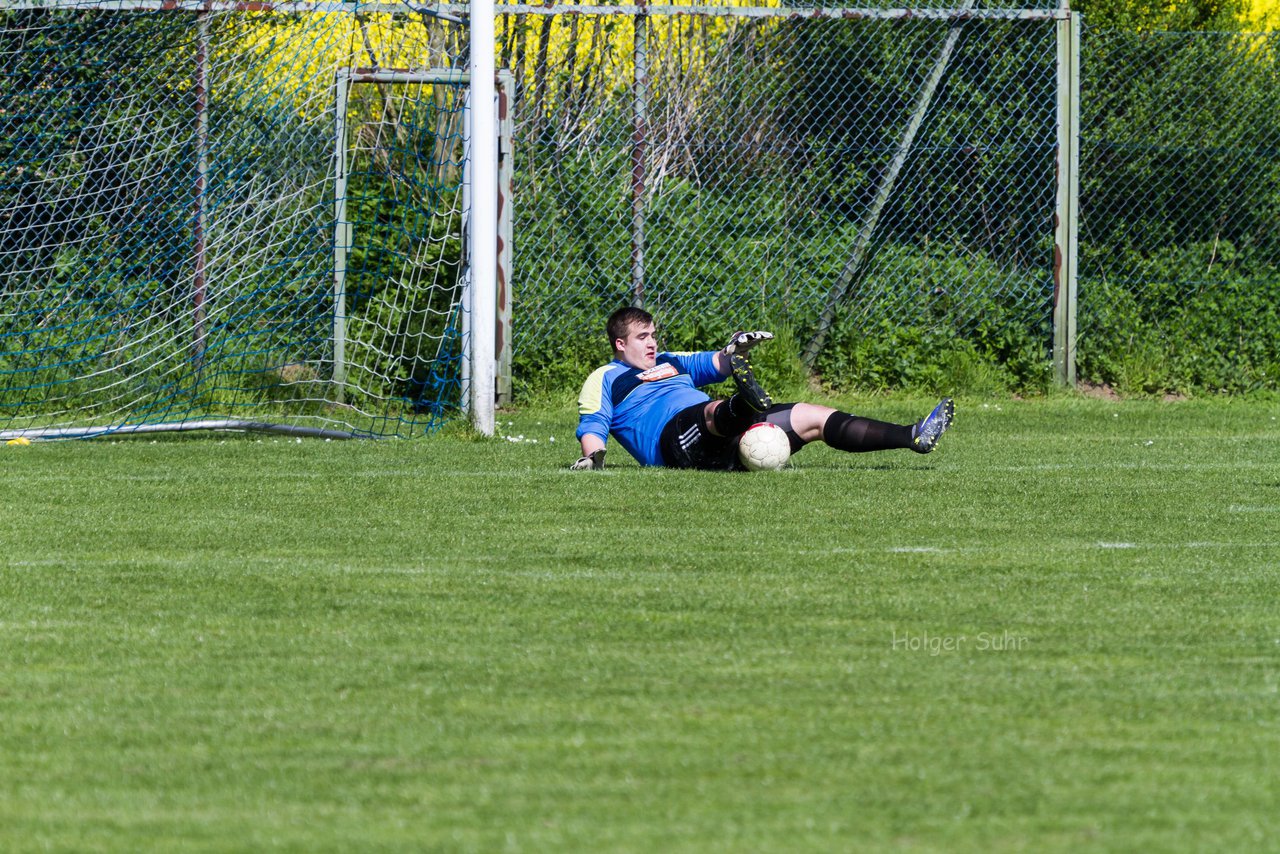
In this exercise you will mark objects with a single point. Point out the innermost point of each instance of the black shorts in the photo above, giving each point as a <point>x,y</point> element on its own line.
<point>686,443</point>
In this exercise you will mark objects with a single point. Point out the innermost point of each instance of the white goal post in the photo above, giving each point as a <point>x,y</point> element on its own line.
<point>483,233</point>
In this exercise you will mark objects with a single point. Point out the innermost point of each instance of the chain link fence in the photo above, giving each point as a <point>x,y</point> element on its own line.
<point>842,177</point>
<point>1180,211</point>
<point>885,188</point>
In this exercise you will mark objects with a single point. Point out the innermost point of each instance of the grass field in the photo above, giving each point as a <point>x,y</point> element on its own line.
<point>1059,632</point>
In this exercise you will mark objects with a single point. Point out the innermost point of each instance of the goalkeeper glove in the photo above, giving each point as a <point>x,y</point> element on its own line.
<point>741,342</point>
<point>593,461</point>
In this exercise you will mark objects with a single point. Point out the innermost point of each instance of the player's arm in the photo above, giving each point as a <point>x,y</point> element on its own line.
<point>595,415</point>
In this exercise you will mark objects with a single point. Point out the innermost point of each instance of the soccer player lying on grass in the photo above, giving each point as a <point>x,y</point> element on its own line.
<point>651,403</point>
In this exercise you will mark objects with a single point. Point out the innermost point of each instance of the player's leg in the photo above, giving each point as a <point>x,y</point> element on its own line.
<point>847,432</point>
<point>808,422</point>
<point>730,417</point>
<point>750,395</point>
<point>689,442</point>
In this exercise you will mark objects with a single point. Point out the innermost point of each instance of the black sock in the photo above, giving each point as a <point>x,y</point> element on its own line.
<point>853,433</point>
<point>732,417</point>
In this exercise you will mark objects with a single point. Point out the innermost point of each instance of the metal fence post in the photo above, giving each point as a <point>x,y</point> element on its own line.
<point>1066,219</point>
<point>639,139</point>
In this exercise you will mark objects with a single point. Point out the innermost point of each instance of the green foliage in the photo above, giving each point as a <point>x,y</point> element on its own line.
<point>558,368</point>
<point>1180,192</point>
<point>1182,150</point>
<point>1151,15</point>
<point>938,320</point>
<point>996,358</point>
<point>737,236</point>
<point>1183,320</point>
<point>964,342</point>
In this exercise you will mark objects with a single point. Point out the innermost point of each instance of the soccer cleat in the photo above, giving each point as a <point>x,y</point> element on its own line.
<point>926,433</point>
<point>749,389</point>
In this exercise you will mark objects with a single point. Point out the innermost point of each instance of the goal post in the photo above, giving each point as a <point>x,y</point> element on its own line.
<point>483,230</point>
<point>487,271</point>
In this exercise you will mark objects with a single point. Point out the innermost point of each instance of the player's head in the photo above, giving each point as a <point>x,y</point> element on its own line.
<point>631,335</point>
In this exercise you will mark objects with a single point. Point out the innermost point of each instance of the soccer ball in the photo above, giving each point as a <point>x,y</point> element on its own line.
<point>764,447</point>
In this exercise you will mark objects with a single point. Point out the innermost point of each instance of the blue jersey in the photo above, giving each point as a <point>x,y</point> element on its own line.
<point>634,405</point>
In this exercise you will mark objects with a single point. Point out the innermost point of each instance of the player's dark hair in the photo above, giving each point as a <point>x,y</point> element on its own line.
<point>623,319</point>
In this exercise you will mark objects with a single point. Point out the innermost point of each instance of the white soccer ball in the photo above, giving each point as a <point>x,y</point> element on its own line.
<point>764,447</point>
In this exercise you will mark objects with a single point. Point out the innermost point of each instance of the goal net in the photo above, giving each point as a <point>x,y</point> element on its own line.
<point>212,217</point>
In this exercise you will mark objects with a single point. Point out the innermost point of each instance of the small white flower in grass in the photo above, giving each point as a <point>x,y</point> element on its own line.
<point>551,439</point>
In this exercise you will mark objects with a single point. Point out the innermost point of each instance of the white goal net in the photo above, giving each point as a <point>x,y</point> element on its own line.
<point>213,217</point>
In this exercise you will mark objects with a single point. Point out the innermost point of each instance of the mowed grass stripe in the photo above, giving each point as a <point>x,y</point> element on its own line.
<point>455,644</point>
